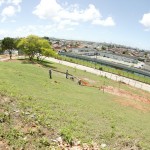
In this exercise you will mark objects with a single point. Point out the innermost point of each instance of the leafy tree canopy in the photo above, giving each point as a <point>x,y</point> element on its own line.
<point>35,46</point>
<point>7,44</point>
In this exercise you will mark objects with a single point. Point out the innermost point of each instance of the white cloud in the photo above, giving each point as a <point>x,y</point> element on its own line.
<point>107,22</point>
<point>88,14</point>
<point>3,32</point>
<point>14,2</point>
<point>40,30</point>
<point>145,21</point>
<point>47,9</point>
<point>1,2</point>
<point>12,7</point>
<point>31,29</point>
<point>8,11</point>
<point>66,23</point>
<point>51,9</point>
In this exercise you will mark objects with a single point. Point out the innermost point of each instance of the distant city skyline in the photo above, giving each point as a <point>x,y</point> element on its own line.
<point>121,22</point>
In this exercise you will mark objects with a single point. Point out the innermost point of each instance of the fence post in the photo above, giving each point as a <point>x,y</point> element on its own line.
<point>119,83</point>
<point>110,75</point>
<point>75,69</point>
<point>129,81</point>
<point>134,83</point>
<point>103,86</point>
<point>141,85</point>
<point>116,77</point>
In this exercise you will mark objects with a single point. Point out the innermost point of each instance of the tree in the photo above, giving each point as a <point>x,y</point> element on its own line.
<point>16,41</point>
<point>1,47</point>
<point>44,49</point>
<point>103,48</point>
<point>46,38</point>
<point>1,51</point>
<point>8,44</point>
<point>35,46</point>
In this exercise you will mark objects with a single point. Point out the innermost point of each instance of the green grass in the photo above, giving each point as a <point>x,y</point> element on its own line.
<point>71,110</point>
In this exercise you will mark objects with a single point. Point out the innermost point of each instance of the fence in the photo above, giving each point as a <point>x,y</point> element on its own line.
<point>111,64</point>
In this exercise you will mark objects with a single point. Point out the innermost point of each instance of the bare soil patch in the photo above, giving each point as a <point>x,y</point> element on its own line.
<point>133,104</point>
<point>89,80</point>
<point>127,98</point>
<point>129,95</point>
<point>7,59</point>
<point>4,145</point>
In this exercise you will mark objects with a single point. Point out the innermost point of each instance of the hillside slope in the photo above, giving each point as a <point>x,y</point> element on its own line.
<point>48,108</point>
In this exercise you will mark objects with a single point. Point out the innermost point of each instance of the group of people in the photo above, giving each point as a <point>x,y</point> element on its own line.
<point>67,76</point>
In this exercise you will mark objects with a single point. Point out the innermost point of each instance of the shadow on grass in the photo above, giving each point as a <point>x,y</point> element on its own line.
<point>47,64</point>
<point>43,63</point>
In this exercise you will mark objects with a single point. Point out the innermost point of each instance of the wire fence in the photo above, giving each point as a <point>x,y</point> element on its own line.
<point>129,72</point>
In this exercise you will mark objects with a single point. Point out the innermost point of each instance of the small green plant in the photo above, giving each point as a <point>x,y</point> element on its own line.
<point>4,117</point>
<point>13,134</point>
<point>44,141</point>
<point>67,135</point>
<point>15,138</point>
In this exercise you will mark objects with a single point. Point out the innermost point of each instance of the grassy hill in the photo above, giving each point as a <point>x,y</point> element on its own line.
<point>35,109</point>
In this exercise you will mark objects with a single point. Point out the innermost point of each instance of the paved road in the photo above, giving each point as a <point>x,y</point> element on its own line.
<point>4,59</point>
<point>131,82</point>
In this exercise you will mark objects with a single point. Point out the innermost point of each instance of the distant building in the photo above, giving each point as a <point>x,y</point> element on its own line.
<point>107,54</point>
<point>118,57</point>
<point>15,52</point>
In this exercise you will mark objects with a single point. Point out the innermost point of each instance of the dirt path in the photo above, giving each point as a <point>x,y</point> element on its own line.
<point>4,59</point>
<point>7,58</point>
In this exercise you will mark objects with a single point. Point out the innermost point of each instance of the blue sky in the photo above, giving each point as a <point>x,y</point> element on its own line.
<point>125,22</point>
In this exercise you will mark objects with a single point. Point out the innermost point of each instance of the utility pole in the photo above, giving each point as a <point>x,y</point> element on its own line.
<point>95,53</point>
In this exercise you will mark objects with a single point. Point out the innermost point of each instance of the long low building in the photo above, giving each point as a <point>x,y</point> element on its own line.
<point>107,54</point>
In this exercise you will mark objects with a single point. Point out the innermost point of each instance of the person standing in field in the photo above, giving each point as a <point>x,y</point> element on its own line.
<point>67,74</point>
<point>10,54</point>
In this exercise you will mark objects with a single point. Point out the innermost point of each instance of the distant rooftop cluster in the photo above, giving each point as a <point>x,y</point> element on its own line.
<point>120,50</point>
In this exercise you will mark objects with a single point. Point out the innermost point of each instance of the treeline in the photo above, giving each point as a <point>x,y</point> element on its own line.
<point>32,46</point>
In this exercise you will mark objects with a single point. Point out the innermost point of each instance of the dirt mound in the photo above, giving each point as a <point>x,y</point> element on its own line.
<point>84,83</point>
<point>123,93</point>
<point>89,80</point>
<point>133,104</point>
<point>131,100</point>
